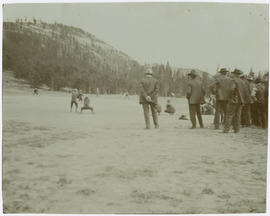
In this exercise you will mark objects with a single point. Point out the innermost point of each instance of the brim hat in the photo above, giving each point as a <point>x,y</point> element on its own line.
<point>223,70</point>
<point>192,73</point>
<point>250,78</point>
<point>149,71</point>
<point>258,80</point>
<point>236,71</point>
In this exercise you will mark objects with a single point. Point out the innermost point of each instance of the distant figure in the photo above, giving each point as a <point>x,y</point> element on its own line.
<point>169,108</point>
<point>159,109</point>
<point>74,95</point>
<point>97,92</point>
<point>207,109</point>
<point>172,94</point>
<point>86,105</point>
<point>195,96</point>
<point>126,95</point>
<point>35,91</point>
<point>80,96</point>
<point>149,97</point>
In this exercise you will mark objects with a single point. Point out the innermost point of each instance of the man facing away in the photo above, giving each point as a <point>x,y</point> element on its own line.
<point>149,97</point>
<point>236,100</point>
<point>195,96</point>
<point>221,85</point>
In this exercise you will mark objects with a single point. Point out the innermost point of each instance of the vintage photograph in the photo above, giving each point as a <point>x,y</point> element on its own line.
<point>135,108</point>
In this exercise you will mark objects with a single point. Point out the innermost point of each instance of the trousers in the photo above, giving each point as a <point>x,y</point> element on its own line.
<point>146,114</point>
<point>221,111</point>
<point>195,109</point>
<point>246,115</point>
<point>233,117</point>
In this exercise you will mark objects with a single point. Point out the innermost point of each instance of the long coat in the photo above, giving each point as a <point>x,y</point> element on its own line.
<point>195,92</point>
<point>149,87</point>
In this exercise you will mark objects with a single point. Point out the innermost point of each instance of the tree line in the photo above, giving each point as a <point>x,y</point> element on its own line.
<point>63,56</point>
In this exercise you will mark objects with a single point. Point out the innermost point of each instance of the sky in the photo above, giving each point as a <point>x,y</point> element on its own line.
<point>189,35</point>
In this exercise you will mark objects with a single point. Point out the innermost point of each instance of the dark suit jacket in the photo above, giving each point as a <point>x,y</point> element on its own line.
<point>238,91</point>
<point>195,93</point>
<point>149,87</point>
<point>222,84</point>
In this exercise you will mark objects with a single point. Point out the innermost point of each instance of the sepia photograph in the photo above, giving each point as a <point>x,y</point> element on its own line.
<point>135,107</point>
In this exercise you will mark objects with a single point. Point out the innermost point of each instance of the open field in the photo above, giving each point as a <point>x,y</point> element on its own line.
<point>55,161</point>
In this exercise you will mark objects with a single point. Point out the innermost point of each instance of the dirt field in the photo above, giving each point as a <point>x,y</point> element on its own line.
<point>55,161</point>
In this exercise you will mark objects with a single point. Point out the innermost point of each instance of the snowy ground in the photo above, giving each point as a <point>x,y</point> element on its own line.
<point>55,161</point>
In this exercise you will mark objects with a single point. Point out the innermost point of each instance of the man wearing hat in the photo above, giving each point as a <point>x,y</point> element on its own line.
<point>195,96</point>
<point>260,104</point>
<point>245,114</point>
<point>149,97</point>
<point>74,95</point>
<point>221,90</point>
<point>252,107</point>
<point>236,100</point>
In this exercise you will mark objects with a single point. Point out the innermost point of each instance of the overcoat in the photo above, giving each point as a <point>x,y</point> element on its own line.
<point>149,87</point>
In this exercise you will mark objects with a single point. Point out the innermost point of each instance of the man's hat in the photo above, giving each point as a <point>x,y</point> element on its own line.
<point>149,71</point>
<point>237,71</point>
<point>258,80</point>
<point>223,70</point>
<point>192,73</point>
<point>242,75</point>
<point>250,78</point>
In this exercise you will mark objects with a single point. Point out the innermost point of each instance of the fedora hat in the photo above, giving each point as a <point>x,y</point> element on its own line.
<point>223,70</point>
<point>237,71</point>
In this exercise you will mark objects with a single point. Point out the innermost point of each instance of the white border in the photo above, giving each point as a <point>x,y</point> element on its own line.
<point>126,1</point>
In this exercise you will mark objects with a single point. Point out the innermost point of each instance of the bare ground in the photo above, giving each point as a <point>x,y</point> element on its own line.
<point>55,161</point>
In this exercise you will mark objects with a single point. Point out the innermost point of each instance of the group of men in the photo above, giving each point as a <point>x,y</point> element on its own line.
<point>240,99</point>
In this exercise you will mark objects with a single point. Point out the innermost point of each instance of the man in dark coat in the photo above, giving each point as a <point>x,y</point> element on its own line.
<point>260,104</point>
<point>195,96</point>
<point>245,114</point>
<point>251,106</point>
<point>149,97</point>
<point>236,100</point>
<point>221,86</point>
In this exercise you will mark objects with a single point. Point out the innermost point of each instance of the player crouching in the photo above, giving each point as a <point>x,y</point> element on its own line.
<point>86,106</point>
